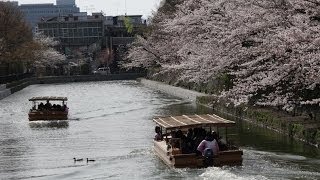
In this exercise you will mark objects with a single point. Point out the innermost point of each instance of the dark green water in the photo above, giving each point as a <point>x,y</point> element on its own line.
<point>111,122</point>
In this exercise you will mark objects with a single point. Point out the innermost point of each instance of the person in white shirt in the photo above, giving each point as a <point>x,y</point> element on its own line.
<point>209,143</point>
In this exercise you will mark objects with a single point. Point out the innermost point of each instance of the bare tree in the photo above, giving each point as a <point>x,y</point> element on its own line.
<point>16,36</point>
<point>16,44</point>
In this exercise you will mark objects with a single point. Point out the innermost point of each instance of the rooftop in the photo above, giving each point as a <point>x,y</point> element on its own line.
<point>50,98</point>
<point>192,121</point>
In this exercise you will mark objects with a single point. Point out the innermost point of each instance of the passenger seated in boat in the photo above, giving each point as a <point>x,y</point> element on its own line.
<point>41,106</point>
<point>190,142</point>
<point>221,142</point>
<point>199,135</point>
<point>48,105</point>
<point>173,141</point>
<point>59,108</point>
<point>158,135</point>
<point>190,134</point>
<point>64,107</point>
<point>183,142</point>
<point>209,143</point>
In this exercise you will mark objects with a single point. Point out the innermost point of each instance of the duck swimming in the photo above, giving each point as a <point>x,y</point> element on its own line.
<point>75,159</point>
<point>90,160</point>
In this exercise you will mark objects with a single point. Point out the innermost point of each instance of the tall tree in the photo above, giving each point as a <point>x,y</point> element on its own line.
<point>16,36</point>
<point>269,48</point>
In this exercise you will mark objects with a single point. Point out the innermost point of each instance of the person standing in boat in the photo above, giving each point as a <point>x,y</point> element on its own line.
<point>158,135</point>
<point>209,143</point>
<point>48,105</point>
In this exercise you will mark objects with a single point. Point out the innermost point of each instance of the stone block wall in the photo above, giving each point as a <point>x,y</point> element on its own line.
<point>4,92</point>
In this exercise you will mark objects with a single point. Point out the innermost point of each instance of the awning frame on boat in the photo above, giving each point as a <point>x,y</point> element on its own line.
<point>192,121</point>
<point>50,98</point>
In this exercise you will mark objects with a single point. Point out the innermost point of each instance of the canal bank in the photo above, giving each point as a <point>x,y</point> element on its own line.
<point>111,122</point>
<point>299,127</point>
<point>4,92</point>
<point>10,88</point>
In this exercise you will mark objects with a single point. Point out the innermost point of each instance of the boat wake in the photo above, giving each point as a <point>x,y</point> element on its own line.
<point>49,124</point>
<point>221,174</point>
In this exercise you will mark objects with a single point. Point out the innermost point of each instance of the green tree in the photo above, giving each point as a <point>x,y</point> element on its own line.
<point>128,24</point>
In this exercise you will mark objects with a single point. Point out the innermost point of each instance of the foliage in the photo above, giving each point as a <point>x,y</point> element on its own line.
<point>18,47</point>
<point>105,57</point>
<point>128,24</point>
<point>46,55</point>
<point>270,48</point>
<point>15,36</point>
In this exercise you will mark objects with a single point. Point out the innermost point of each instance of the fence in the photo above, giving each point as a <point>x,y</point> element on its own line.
<point>14,77</point>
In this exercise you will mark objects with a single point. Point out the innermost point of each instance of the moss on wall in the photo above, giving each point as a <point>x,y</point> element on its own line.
<point>295,126</point>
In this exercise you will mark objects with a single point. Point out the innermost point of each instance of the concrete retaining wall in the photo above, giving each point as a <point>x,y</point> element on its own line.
<point>2,87</point>
<point>172,90</point>
<point>66,79</point>
<point>10,88</point>
<point>4,92</point>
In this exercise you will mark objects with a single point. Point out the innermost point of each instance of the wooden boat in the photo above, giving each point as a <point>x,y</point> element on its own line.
<point>174,157</point>
<point>41,111</point>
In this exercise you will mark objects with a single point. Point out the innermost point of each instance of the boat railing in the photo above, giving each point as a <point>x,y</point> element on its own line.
<point>174,145</point>
<point>49,110</point>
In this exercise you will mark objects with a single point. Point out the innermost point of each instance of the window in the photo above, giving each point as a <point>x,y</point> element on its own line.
<point>85,32</point>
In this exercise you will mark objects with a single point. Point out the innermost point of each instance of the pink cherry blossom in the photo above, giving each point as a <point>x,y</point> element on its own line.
<point>271,48</point>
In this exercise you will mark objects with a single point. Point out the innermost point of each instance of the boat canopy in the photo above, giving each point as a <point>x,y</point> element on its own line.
<point>192,121</point>
<point>50,98</point>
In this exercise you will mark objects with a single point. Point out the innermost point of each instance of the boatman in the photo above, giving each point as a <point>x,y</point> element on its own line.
<point>209,143</point>
<point>48,105</point>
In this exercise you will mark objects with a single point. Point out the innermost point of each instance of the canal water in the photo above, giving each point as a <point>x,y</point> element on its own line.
<point>111,122</point>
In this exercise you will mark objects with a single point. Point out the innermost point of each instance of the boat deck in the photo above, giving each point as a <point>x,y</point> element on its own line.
<point>228,157</point>
<point>48,115</point>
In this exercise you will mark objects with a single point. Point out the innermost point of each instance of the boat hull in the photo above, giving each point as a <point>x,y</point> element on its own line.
<point>48,115</point>
<point>230,157</point>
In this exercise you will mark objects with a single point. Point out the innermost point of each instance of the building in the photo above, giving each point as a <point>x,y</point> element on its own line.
<point>116,32</point>
<point>65,2</point>
<point>15,3</point>
<point>35,12</point>
<point>79,29</point>
<point>75,30</point>
<point>118,36</point>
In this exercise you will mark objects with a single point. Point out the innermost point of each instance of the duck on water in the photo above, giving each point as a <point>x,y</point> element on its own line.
<point>76,160</point>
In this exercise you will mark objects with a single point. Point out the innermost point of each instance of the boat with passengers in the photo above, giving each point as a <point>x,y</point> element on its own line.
<point>48,108</point>
<point>174,150</point>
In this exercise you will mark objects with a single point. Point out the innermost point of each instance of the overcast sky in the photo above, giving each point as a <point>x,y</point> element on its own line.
<point>110,7</point>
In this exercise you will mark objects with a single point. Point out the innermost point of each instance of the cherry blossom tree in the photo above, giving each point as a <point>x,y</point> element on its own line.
<point>46,55</point>
<point>270,48</point>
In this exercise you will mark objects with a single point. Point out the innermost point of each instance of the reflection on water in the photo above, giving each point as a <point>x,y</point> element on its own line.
<point>111,122</point>
<point>49,124</point>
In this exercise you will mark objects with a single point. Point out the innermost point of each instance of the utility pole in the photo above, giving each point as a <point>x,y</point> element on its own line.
<point>125,4</point>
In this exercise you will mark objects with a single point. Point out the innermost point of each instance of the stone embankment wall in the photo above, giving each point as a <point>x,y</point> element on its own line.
<point>4,92</point>
<point>10,88</point>
<point>172,90</point>
<point>297,126</point>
